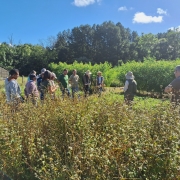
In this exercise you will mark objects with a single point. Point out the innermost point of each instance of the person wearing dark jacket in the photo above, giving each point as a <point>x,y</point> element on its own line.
<point>130,87</point>
<point>39,80</point>
<point>86,80</point>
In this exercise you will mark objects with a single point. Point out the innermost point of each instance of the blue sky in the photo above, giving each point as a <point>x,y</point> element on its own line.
<point>33,21</point>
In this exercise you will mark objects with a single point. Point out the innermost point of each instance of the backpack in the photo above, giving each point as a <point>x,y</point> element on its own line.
<point>134,86</point>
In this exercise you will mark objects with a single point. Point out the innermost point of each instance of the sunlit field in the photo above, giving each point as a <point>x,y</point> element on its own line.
<point>91,138</point>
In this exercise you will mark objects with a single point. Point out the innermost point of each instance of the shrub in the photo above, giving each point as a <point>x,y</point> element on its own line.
<point>92,139</point>
<point>151,75</point>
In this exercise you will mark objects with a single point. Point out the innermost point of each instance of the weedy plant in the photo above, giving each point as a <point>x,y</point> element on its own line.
<point>96,138</point>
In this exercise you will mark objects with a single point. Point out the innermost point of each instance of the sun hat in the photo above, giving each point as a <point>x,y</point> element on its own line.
<point>88,72</point>
<point>54,75</point>
<point>129,75</point>
<point>99,72</point>
<point>43,70</point>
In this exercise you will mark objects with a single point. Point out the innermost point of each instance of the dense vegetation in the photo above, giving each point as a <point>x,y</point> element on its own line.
<point>151,75</point>
<point>96,44</point>
<point>95,138</point>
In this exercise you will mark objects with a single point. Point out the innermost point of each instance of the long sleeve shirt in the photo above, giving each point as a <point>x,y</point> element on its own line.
<point>31,89</point>
<point>12,90</point>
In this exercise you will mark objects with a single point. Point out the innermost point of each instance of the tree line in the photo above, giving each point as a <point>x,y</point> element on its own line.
<point>107,42</point>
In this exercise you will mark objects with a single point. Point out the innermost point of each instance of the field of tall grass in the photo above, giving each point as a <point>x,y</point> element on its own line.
<point>94,138</point>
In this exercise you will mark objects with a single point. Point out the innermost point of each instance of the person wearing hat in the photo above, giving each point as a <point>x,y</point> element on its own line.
<point>130,87</point>
<point>86,80</point>
<point>31,90</point>
<point>99,80</point>
<point>74,80</point>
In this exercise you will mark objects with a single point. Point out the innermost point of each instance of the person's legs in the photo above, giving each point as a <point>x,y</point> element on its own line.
<point>128,98</point>
<point>63,91</point>
<point>34,101</point>
<point>68,92</point>
<point>75,90</point>
<point>86,90</point>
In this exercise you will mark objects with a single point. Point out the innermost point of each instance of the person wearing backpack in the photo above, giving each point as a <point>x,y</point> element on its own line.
<point>130,87</point>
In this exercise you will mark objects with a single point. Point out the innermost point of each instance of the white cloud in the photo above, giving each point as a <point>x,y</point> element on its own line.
<point>161,11</point>
<point>123,8</point>
<point>141,17</point>
<point>177,29</point>
<point>81,3</point>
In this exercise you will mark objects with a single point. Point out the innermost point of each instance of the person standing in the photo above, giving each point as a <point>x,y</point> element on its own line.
<point>174,86</point>
<point>99,81</point>
<point>39,80</point>
<point>63,81</point>
<point>31,90</point>
<point>73,80</point>
<point>86,81</point>
<point>53,80</point>
<point>46,85</point>
<point>12,88</point>
<point>130,87</point>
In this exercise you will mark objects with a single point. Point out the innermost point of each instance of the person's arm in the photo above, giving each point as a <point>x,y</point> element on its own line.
<point>102,83</point>
<point>51,89</point>
<point>168,89</point>
<point>126,86</point>
<point>173,85</point>
<point>70,79</point>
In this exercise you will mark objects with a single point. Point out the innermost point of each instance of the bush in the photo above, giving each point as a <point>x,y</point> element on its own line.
<point>106,69</point>
<point>151,75</point>
<point>94,139</point>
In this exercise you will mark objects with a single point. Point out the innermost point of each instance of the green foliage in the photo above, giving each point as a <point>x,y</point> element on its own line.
<point>150,74</point>
<point>99,43</point>
<point>106,69</point>
<point>92,139</point>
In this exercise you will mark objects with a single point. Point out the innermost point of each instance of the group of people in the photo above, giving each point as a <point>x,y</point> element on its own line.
<point>46,83</point>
